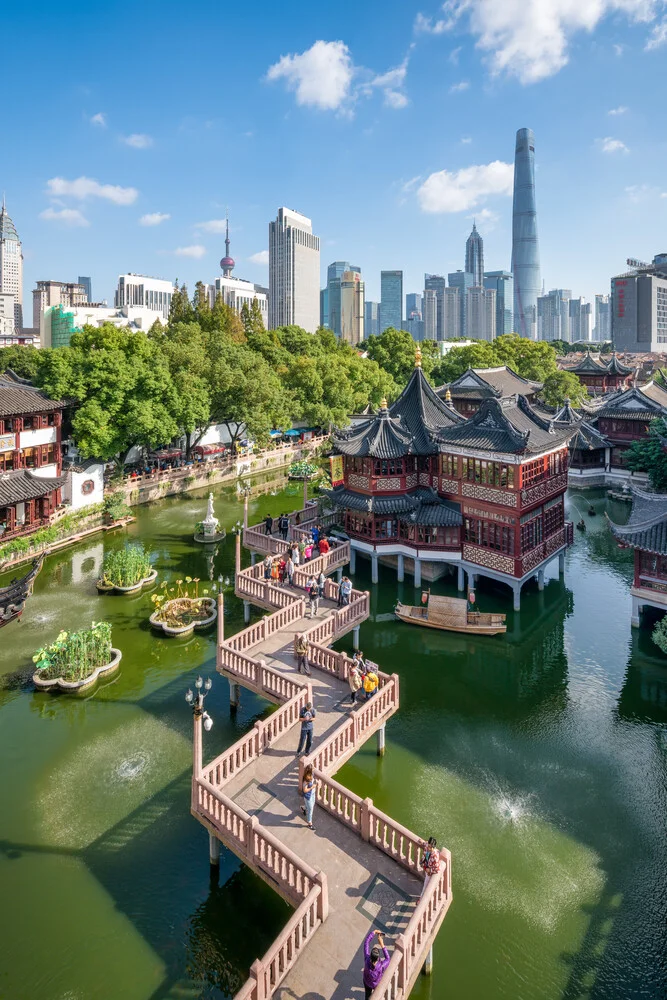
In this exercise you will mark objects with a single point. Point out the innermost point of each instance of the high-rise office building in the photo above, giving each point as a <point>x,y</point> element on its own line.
<point>413,305</point>
<point>294,272</point>
<point>481,313</point>
<point>475,257</point>
<point>525,248</point>
<point>639,306</point>
<point>391,299</point>
<point>463,281</point>
<point>56,293</point>
<point>144,292</point>
<point>581,325</point>
<point>372,319</point>
<point>451,314</point>
<point>88,285</point>
<point>430,314</point>
<point>553,315</point>
<point>324,307</point>
<point>436,283</point>
<point>351,307</point>
<point>335,274</point>
<point>502,283</point>
<point>11,265</point>
<point>602,330</point>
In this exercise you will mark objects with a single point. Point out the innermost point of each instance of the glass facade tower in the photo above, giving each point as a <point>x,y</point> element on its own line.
<point>391,299</point>
<point>475,257</point>
<point>525,248</point>
<point>502,284</point>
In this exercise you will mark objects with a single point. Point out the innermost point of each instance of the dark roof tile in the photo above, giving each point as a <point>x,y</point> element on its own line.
<point>22,484</point>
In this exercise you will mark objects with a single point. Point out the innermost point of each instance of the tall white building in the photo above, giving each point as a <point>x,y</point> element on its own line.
<point>553,315</point>
<point>6,316</point>
<point>294,272</point>
<point>481,313</point>
<point>602,330</point>
<point>11,265</point>
<point>581,316</point>
<point>430,313</point>
<point>153,294</point>
<point>352,301</point>
<point>451,313</point>
<point>56,293</point>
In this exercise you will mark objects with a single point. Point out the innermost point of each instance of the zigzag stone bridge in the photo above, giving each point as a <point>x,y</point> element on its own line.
<point>359,868</point>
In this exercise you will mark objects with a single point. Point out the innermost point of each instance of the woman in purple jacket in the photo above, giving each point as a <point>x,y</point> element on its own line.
<point>376,960</point>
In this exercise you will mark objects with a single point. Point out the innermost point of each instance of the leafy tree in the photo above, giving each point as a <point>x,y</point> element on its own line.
<point>659,634</point>
<point>251,318</point>
<point>394,350</point>
<point>184,346</point>
<point>180,310</point>
<point>559,386</point>
<point>650,455</point>
<point>121,383</point>
<point>533,359</point>
<point>24,360</point>
<point>478,355</point>
<point>245,392</point>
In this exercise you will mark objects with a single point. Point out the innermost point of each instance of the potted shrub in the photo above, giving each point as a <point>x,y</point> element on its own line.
<point>126,570</point>
<point>181,614</point>
<point>76,660</point>
<point>115,508</point>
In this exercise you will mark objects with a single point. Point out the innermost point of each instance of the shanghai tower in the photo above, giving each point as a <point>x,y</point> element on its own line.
<point>525,249</point>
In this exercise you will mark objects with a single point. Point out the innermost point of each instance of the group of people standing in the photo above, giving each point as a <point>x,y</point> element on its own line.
<point>362,678</point>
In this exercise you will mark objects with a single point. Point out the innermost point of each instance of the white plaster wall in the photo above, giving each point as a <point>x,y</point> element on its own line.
<point>44,435</point>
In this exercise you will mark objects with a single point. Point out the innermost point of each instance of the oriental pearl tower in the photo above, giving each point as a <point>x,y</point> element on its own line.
<point>227,263</point>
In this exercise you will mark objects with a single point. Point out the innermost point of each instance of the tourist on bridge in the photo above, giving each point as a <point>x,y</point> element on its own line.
<point>344,591</point>
<point>295,554</point>
<point>283,524</point>
<point>371,682</point>
<point>275,571</point>
<point>316,532</point>
<point>301,650</point>
<point>309,789</point>
<point>268,521</point>
<point>376,960</point>
<point>313,596</point>
<point>359,662</point>
<point>289,570</point>
<point>324,545</point>
<point>308,549</point>
<point>268,564</point>
<point>430,862</point>
<point>321,580</point>
<point>354,680</point>
<point>306,715</point>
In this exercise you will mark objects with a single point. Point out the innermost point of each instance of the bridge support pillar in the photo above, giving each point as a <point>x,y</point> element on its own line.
<point>636,621</point>
<point>353,560</point>
<point>339,574</point>
<point>540,579</point>
<point>355,637</point>
<point>461,578</point>
<point>561,563</point>
<point>253,558</point>
<point>400,569</point>
<point>246,611</point>
<point>381,739</point>
<point>428,964</point>
<point>213,849</point>
<point>374,567</point>
<point>418,572</point>
<point>234,694</point>
<point>516,587</point>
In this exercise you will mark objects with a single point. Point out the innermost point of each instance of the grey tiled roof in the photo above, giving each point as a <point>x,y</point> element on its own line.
<point>588,438</point>
<point>489,383</point>
<point>16,399</point>
<point>424,503</point>
<point>22,484</point>
<point>379,437</point>
<point>637,403</point>
<point>506,425</point>
<point>616,367</point>
<point>588,366</point>
<point>647,527</point>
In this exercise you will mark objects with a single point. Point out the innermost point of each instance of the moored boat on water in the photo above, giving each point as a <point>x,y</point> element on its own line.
<point>14,596</point>
<point>450,614</point>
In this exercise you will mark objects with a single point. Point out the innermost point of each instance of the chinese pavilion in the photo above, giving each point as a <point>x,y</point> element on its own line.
<point>599,376</point>
<point>469,390</point>
<point>590,451</point>
<point>484,495</point>
<point>625,416</point>
<point>31,477</point>
<point>646,533</point>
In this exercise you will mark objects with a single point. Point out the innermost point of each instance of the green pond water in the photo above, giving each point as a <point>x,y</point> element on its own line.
<point>539,758</point>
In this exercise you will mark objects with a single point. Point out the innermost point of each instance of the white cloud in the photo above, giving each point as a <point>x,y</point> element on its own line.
<point>195,251</point>
<point>429,26</point>
<point>453,56</point>
<point>395,99</point>
<point>391,84</point>
<point>458,88</point>
<point>618,50</point>
<point>620,110</point>
<point>137,140</point>
<point>644,192</point>
<point>529,39</point>
<point>658,36</point>
<point>321,76</point>
<point>212,226</point>
<point>445,191</point>
<point>261,258</point>
<point>99,119</point>
<point>86,187</point>
<point>409,185</point>
<point>466,140</point>
<point>485,218</point>
<point>154,218</point>
<point>69,216</point>
<point>609,145</point>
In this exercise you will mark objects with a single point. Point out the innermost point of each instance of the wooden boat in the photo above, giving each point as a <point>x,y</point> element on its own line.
<point>450,614</point>
<point>14,596</point>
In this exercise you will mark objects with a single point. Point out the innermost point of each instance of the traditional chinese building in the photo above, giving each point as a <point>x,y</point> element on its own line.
<point>31,477</point>
<point>602,376</point>
<point>646,533</point>
<point>468,391</point>
<point>625,416</point>
<point>590,451</point>
<point>484,495</point>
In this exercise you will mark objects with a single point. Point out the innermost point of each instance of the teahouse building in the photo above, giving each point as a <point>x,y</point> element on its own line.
<point>625,416</point>
<point>646,533</point>
<point>602,376</point>
<point>484,494</point>
<point>469,390</point>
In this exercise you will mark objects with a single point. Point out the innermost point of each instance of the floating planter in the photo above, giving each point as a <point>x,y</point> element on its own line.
<point>126,571</point>
<point>182,614</point>
<point>206,531</point>
<point>76,660</point>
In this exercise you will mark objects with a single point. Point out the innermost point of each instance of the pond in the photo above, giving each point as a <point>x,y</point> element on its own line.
<point>539,758</point>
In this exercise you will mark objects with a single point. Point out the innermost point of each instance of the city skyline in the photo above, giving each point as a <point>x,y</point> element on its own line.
<point>112,184</point>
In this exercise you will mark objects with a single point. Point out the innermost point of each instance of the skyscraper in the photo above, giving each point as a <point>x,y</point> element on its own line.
<point>413,305</point>
<point>553,315</point>
<point>463,281</point>
<point>294,272</point>
<point>371,319</point>
<point>88,285</point>
<point>351,307</point>
<point>481,313</point>
<point>525,249</point>
<point>335,274</point>
<point>430,314</point>
<point>437,284</point>
<point>502,284</point>
<point>11,265</point>
<point>391,299</point>
<point>451,314</point>
<point>475,257</point>
<point>580,321</point>
<point>602,330</point>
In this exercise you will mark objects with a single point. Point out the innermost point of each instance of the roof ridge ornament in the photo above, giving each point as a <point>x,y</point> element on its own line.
<point>418,357</point>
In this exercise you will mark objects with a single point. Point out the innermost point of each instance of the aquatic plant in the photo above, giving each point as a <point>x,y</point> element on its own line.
<point>659,634</point>
<point>75,655</point>
<point>302,469</point>
<point>126,567</point>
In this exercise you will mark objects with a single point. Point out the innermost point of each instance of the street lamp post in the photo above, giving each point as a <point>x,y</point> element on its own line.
<point>200,716</point>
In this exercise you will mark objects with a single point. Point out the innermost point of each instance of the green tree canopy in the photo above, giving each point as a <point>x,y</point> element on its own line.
<point>394,350</point>
<point>459,359</point>
<point>559,386</point>
<point>22,359</point>
<point>649,455</point>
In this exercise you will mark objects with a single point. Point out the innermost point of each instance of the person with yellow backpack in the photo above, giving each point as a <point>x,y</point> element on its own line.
<point>371,681</point>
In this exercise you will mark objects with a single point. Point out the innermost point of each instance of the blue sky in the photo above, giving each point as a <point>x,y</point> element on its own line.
<point>390,124</point>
